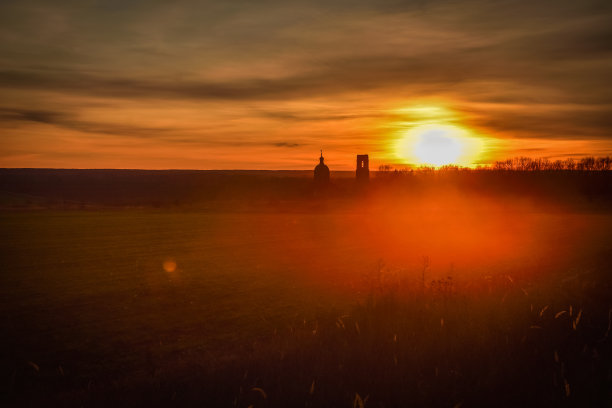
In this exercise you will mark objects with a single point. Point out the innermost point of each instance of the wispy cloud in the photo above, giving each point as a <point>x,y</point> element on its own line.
<point>65,120</point>
<point>286,144</point>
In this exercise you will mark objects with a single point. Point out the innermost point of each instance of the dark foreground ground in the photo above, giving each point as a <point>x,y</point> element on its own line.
<point>437,291</point>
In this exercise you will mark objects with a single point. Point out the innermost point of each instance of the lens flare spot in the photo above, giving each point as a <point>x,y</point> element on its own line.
<point>169,265</point>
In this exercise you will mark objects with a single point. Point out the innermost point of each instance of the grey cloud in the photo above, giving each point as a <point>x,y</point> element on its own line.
<point>287,144</point>
<point>525,46</point>
<point>550,123</point>
<point>193,137</point>
<point>41,116</point>
<point>293,116</point>
<point>68,121</point>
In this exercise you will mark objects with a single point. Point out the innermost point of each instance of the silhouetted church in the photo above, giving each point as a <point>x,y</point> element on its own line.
<point>321,173</point>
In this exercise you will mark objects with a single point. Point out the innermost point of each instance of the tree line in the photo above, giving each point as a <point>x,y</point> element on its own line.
<point>520,164</point>
<point>529,164</point>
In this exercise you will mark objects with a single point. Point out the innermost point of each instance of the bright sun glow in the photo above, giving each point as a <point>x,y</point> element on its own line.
<point>436,146</point>
<point>439,145</point>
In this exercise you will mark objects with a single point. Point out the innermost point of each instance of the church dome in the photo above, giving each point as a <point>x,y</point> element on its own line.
<point>321,172</point>
<point>321,166</point>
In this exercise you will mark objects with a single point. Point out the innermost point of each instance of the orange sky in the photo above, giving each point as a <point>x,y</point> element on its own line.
<point>205,85</point>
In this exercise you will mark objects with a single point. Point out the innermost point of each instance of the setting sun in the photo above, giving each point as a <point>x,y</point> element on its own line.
<point>439,145</point>
<point>436,146</point>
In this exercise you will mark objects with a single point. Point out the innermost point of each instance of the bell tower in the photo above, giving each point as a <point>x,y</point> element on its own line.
<point>363,167</point>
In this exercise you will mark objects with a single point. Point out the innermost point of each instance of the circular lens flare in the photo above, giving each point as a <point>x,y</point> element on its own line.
<point>169,265</point>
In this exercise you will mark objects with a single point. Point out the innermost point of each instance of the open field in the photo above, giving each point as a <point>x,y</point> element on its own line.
<point>292,305</point>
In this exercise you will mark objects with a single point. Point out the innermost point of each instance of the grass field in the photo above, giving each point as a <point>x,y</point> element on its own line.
<point>306,307</point>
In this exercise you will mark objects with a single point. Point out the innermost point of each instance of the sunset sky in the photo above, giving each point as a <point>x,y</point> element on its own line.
<point>264,85</point>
